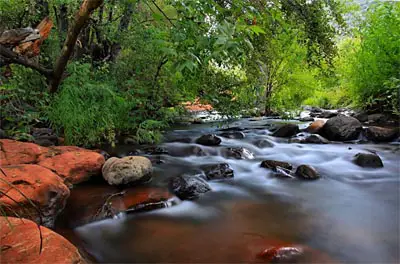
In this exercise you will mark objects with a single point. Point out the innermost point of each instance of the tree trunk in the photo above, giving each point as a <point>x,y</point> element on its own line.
<point>81,17</point>
<point>268,92</point>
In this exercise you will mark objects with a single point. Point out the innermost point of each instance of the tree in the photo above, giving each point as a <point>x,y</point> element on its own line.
<point>55,76</point>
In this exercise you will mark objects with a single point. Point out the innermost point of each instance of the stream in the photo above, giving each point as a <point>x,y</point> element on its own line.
<point>351,214</point>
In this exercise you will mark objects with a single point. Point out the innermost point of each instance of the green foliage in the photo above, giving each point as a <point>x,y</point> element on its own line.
<point>137,61</point>
<point>89,111</point>
<point>23,103</point>
<point>290,96</point>
<point>375,68</point>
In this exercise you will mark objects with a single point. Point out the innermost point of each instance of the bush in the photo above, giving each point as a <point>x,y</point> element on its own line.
<point>329,98</point>
<point>375,68</point>
<point>23,102</point>
<point>87,110</point>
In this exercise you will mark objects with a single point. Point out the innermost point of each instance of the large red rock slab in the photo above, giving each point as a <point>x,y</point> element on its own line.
<point>15,152</point>
<point>92,202</point>
<point>22,185</point>
<point>73,164</point>
<point>20,243</point>
<point>138,198</point>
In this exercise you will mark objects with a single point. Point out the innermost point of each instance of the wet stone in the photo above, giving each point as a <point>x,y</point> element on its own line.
<point>231,129</point>
<point>342,128</point>
<point>181,140</point>
<point>287,130</point>
<point>263,143</point>
<point>189,186</point>
<point>209,140</point>
<point>311,139</point>
<point>218,171</point>
<point>233,135</point>
<point>273,164</point>
<point>155,150</point>
<point>283,173</point>
<point>281,254</point>
<point>381,134</point>
<point>306,119</point>
<point>368,160</point>
<point>237,153</point>
<point>307,172</point>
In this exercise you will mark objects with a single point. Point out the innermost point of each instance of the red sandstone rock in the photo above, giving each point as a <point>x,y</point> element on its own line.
<point>58,150</point>
<point>14,152</point>
<point>40,185</point>
<point>315,126</point>
<point>20,243</point>
<point>73,164</point>
<point>140,196</point>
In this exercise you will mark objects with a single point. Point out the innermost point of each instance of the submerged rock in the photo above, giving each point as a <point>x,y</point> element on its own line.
<point>209,140</point>
<point>311,139</point>
<point>342,128</point>
<point>20,243</point>
<point>232,129</point>
<point>381,134</point>
<point>125,170</point>
<point>181,140</point>
<point>281,255</point>
<point>273,164</point>
<point>306,119</point>
<point>237,153</point>
<point>189,187</point>
<point>368,160</point>
<point>218,171</point>
<point>233,135</point>
<point>287,130</point>
<point>263,143</point>
<point>155,150</point>
<point>281,172</point>
<point>39,186</point>
<point>307,172</point>
<point>138,199</point>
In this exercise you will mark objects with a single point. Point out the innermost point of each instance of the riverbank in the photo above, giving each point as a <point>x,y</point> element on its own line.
<point>226,186</point>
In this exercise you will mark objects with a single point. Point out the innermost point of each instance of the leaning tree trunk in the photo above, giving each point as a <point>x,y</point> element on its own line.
<point>81,18</point>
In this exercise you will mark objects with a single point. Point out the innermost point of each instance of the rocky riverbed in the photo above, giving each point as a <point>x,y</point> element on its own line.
<point>253,190</point>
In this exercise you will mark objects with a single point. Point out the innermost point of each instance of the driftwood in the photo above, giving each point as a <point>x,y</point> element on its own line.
<point>32,48</point>
<point>14,37</point>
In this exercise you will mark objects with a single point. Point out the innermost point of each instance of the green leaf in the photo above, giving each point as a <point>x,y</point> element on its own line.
<point>258,30</point>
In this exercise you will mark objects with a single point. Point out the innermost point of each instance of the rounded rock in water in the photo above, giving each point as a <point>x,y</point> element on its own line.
<point>126,170</point>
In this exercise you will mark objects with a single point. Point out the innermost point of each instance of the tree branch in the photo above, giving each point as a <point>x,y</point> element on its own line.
<point>12,57</point>
<point>163,61</point>
<point>162,12</point>
<point>81,17</point>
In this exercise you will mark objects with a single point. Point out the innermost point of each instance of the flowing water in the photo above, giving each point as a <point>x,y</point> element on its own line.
<point>351,214</point>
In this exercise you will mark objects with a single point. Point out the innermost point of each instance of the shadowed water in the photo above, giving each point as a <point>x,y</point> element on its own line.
<point>350,215</point>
